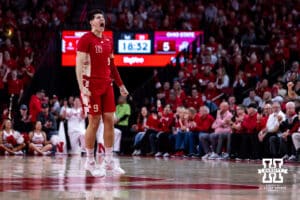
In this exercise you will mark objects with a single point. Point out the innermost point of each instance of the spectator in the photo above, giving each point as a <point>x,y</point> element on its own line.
<point>71,101</point>
<point>153,127</point>
<point>165,93</point>
<point>281,144</point>
<point>23,124</point>
<point>140,128</point>
<point>35,105</point>
<point>253,70</point>
<point>232,104</point>
<point>211,12</point>
<point>249,141</point>
<point>271,129</point>
<point>55,106</point>
<point>76,127</point>
<point>252,98</point>
<point>180,129</point>
<point>296,141</point>
<point>293,73</point>
<point>15,87</point>
<point>48,121</point>
<point>239,85</point>
<point>180,94</point>
<point>221,131</point>
<point>236,136</point>
<point>195,100</point>
<point>160,142</point>
<point>28,72</point>
<point>222,81</point>
<point>63,120</point>
<point>38,141</point>
<point>11,141</point>
<point>123,112</point>
<point>205,130</point>
<point>262,87</point>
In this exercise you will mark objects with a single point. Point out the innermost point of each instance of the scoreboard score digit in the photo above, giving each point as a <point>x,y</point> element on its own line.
<point>166,46</point>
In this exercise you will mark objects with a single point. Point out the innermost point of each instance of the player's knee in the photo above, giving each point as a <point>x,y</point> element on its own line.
<point>94,122</point>
<point>108,118</point>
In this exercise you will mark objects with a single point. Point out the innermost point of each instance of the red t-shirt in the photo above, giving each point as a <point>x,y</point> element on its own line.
<point>100,50</point>
<point>152,122</point>
<point>26,77</point>
<point>35,107</point>
<point>12,64</point>
<point>249,124</point>
<point>15,86</point>
<point>205,123</point>
<point>166,122</point>
<point>197,121</point>
<point>255,69</point>
<point>195,102</point>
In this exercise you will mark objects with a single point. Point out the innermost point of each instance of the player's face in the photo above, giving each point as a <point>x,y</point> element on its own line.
<point>98,23</point>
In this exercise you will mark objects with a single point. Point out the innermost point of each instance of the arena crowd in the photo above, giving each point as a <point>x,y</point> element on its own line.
<point>234,97</point>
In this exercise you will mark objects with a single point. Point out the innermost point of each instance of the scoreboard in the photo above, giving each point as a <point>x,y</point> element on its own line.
<point>136,49</point>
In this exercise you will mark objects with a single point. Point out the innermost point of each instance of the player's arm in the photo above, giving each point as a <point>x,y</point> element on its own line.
<point>81,60</point>
<point>116,76</point>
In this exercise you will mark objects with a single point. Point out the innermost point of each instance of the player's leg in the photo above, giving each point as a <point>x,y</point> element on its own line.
<point>90,136</point>
<point>108,121</point>
<point>111,164</point>
<point>108,107</point>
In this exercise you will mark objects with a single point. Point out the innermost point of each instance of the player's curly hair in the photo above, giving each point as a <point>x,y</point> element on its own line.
<point>91,14</point>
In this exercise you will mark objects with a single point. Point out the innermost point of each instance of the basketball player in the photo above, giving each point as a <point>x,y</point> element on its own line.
<point>95,71</point>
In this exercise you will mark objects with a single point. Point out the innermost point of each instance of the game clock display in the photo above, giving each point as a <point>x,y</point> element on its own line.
<point>134,46</point>
<point>133,43</point>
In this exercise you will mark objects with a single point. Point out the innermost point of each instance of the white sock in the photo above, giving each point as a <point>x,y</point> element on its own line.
<point>90,155</point>
<point>108,153</point>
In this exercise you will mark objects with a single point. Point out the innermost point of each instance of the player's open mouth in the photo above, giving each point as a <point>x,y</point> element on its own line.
<point>102,25</point>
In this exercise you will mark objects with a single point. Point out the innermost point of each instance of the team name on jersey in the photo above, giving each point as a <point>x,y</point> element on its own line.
<point>98,48</point>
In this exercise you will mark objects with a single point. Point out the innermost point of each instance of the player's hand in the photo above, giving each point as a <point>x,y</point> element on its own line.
<point>85,91</point>
<point>123,91</point>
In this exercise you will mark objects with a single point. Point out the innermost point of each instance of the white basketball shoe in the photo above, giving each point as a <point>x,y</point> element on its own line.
<point>91,167</point>
<point>113,165</point>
